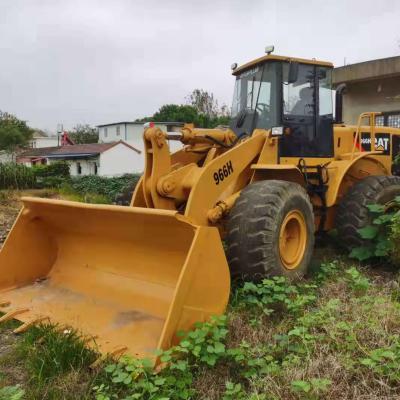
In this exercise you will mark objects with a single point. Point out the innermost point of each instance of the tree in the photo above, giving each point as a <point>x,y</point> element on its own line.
<point>203,111</point>
<point>82,134</point>
<point>203,102</point>
<point>14,133</point>
<point>211,114</point>
<point>176,113</point>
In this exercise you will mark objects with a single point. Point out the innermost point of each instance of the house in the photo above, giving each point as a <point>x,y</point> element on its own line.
<point>132,133</point>
<point>104,159</point>
<point>40,139</point>
<point>371,86</point>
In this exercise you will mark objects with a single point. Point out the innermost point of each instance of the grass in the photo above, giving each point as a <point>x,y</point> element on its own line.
<point>67,192</point>
<point>335,335</point>
<point>46,362</point>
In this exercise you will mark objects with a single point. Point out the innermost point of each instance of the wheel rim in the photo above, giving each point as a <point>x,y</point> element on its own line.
<point>292,239</point>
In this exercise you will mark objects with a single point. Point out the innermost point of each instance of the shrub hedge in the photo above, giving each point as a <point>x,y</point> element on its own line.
<point>58,169</point>
<point>108,187</point>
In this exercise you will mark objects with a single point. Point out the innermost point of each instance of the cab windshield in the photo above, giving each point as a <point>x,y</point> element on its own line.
<point>255,102</point>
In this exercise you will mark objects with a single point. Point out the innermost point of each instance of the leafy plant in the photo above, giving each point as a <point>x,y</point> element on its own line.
<point>356,280</point>
<point>273,295</point>
<point>394,238</point>
<point>377,235</point>
<point>131,378</point>
<point>311,389</point>
<point>384,362</point>
<point>234,391</point>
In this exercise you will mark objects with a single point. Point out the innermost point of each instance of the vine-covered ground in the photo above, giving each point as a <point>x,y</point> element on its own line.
<point>335,335</point>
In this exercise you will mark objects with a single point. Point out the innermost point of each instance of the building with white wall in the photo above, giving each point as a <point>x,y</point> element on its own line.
<point>40,140</point>
<point>132,133</point>
<point>371,86</point>
<point>104,159</point>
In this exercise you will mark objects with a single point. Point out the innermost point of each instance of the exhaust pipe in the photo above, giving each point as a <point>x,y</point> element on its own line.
<point>339,103</point>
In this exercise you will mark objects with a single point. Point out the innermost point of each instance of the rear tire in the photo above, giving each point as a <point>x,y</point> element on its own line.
<point>270,231</point>
<point>352,213</point>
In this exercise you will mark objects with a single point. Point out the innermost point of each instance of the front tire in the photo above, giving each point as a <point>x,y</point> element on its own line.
<point>270,231</point>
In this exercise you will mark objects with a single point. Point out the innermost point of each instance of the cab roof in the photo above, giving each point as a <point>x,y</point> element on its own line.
<point>272,57</point>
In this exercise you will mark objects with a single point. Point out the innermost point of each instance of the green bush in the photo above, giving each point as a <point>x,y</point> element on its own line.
<point>52,175</point>
<point>382,235</point>
<point>16,176</point>
<point>394,237</point>
<point>57,169</point>
<point>108,187</point>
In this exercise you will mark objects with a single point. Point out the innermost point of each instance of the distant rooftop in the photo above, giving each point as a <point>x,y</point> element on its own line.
<point>141,123</point>
<point>367,70</point>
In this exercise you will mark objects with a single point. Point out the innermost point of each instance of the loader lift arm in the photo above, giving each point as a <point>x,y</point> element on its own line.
<point>210,169</point>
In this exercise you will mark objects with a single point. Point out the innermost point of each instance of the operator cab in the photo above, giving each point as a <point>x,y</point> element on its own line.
<point>294,94</point>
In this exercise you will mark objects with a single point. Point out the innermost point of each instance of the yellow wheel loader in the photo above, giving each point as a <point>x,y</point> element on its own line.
<point>131,277</point>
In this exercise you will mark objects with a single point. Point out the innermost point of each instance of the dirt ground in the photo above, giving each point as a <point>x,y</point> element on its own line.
<point>7,218</point>
<point>10,204</point>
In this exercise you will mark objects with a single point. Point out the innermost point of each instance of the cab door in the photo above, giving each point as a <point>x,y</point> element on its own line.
<point>308,120</point>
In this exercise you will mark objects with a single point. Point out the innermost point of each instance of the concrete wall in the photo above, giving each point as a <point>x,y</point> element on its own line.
<point>120,160</point>
<point>128,132</point>
<point>112,133</point>
<point>385,67</point>
<point>371,95</point>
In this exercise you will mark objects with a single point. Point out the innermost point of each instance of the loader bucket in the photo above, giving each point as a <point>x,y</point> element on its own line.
<point>128,277</point>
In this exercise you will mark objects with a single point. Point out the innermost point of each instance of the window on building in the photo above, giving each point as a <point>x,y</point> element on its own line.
<point>96,169</point>
<point>118,130</point>
<point>391,118</point>
<point>105,132</point>
<point>394,121</point>
<point>379,120</point>
<point>79,168</point>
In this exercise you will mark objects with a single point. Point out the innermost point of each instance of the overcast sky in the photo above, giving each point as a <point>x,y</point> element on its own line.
<point>98,61</point>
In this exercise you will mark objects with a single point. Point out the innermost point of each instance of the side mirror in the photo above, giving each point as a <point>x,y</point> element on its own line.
<point>293,71</point>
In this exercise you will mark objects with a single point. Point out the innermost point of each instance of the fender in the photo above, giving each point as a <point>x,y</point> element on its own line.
<point>286,172</point>
<point>343,174</point>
